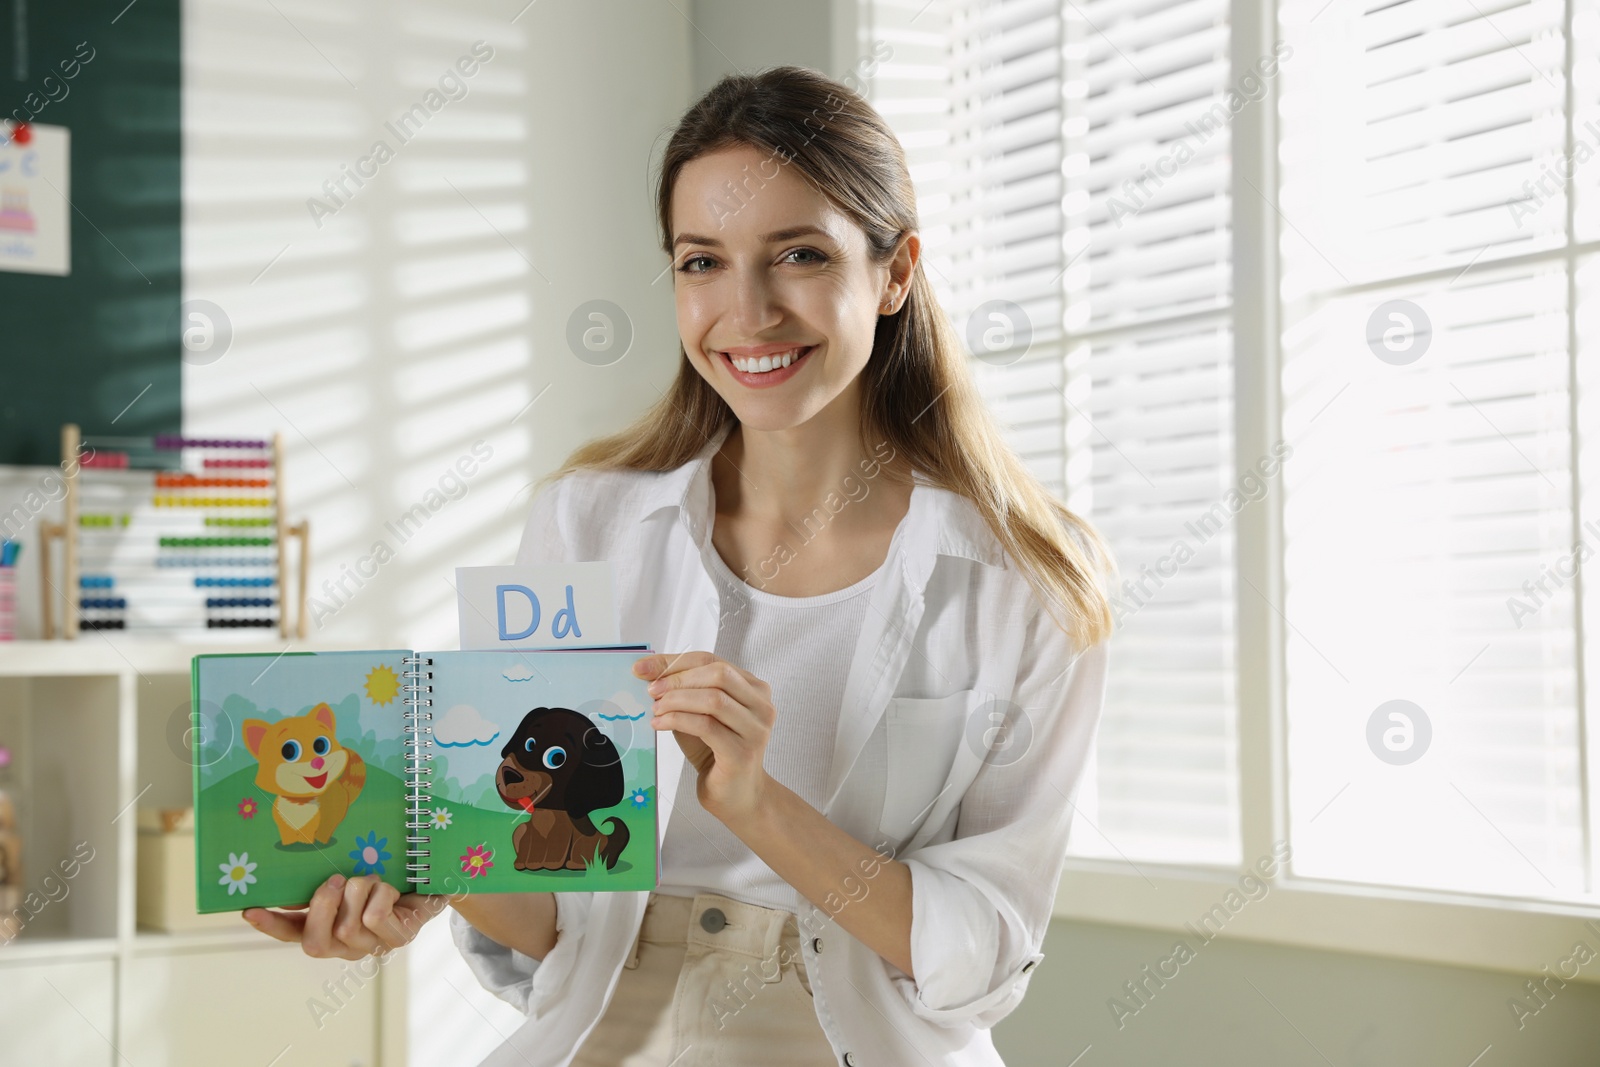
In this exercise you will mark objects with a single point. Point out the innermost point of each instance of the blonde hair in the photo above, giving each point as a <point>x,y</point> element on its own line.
<point>918,392</point>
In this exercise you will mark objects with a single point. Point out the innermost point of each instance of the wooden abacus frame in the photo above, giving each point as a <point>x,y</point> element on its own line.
<point>66,530</point>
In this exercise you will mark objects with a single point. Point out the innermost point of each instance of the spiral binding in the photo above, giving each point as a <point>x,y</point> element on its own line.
<point>419,764</point>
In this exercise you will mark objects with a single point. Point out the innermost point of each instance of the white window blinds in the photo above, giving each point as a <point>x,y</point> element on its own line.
<point>1438,213</point>
<point>974,93</point>
<point>1071,164</point>
<point>1440,339</point>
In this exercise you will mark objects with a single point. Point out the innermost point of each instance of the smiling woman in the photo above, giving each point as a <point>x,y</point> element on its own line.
<point>788,210</point>
<point>841,793</point>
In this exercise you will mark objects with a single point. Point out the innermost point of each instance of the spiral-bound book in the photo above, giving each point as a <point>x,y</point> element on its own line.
<point>495,771</point>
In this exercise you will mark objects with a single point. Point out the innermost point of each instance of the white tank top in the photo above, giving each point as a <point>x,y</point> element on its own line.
<point>802,647</point>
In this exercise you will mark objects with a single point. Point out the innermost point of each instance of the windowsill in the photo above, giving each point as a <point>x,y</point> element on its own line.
<point>1502,934</point>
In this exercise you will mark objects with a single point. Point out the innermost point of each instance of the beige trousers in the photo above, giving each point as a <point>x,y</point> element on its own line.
<point>710,981</point>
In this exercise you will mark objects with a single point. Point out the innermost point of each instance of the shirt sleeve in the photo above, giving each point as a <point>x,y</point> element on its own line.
<point>513,976</point>
<point>505,972</point>
<point>982,901</point>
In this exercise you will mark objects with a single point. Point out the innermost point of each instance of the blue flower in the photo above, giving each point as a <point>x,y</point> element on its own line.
<point>369,854</point>
<point>639,798</point>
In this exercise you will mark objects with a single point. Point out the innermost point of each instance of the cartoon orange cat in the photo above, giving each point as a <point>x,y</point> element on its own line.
<point>314,777</point>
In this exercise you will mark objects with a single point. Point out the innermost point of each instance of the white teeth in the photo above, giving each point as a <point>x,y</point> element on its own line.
<point>765,363</point>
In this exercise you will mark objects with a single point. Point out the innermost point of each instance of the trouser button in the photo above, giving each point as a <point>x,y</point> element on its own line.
<point>712,920</point>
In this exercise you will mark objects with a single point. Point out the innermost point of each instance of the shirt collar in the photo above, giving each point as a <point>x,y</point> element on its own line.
<point>940,522</point>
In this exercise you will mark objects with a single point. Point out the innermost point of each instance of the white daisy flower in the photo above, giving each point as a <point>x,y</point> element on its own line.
<point>440,818</point>
<point>236,873</point>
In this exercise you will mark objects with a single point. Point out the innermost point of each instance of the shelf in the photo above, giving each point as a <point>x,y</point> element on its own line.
<point>155,941</point>
<point>100,727</point>
<point>109,652</point>
<point>114,652</point>
<point>66,737</point>
<point>54,949</point>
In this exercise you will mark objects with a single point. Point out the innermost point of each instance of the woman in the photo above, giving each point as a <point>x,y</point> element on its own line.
<point>909,643</point>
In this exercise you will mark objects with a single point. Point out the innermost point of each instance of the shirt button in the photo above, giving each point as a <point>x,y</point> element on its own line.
<point>816,944</point>
<point>849,1060</point>
<point>712,920</point>
<point>1026,967</point>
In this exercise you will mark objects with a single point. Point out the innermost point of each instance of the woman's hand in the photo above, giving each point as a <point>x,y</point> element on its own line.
<point>721,717</point>
<point>350,919</point>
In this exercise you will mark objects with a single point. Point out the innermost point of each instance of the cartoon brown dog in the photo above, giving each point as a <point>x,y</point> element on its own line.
<point>313,776</point>
<point>558,767</point>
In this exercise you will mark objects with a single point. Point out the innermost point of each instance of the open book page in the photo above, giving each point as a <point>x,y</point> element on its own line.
<point>300,765</point>
<point>543,773</point>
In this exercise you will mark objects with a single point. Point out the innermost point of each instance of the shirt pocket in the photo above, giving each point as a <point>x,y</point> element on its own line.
<point>924,735</point>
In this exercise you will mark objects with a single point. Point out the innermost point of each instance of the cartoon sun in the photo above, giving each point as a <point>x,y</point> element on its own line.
<point>382,685</point>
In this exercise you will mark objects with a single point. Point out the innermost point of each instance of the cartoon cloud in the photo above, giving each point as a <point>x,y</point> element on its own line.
<point>463,725</point>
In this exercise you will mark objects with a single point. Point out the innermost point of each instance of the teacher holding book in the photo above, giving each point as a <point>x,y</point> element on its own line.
<point>886,647</point>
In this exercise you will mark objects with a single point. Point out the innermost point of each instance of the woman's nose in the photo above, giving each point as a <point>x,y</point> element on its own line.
<point>754,307</point>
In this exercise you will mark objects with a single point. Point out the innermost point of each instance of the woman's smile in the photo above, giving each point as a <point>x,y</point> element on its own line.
<point>763,366</point>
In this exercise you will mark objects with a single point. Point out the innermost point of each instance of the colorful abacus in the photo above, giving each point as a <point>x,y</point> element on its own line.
<point>176,535</point>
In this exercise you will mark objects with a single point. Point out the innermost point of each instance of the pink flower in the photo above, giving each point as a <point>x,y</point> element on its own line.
<point>247,807</point>
<point>477,860</point>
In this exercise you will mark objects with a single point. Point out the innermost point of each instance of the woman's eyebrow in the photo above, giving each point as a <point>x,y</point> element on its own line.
<point>766,238</point>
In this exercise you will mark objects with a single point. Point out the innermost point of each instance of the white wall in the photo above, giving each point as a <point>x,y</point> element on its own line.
<point>431,310</point>
<point>1248,1003</point>
<point>427,313</point>
<point>748,35</point>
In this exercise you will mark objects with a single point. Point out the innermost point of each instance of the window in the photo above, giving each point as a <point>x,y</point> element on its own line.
<point>1071,165</point>
<point>1413,327</point>
<point>1434,284</point>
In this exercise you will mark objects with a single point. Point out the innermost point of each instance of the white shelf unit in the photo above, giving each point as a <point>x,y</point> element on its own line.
<point>97,728</point>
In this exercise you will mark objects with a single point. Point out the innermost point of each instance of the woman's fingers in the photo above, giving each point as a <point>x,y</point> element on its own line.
<point>317,931</point>
<point>378,917</point>
<point>717,704</point>
<point>663,663</point>
<point>349,929</point>
<point>412,910</point>
<point>281,925</point>
<point>350,918</point>
<point>722,742</point>
<point>691,672</point>
<point>395,918</point>
<point>713,686</point>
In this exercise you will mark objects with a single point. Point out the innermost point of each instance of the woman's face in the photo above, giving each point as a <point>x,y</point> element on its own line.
<point>766,269</point>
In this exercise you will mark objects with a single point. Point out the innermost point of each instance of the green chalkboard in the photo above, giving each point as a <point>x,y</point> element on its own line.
<point>100,346</point>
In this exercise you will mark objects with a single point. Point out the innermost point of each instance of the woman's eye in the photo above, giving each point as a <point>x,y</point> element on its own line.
<point>320,746</point>
<point>688,266</point>
<point>815,256</point>
<point>291,750</point>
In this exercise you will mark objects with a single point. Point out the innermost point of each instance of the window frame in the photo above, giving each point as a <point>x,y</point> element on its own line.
<point>1452,928</point>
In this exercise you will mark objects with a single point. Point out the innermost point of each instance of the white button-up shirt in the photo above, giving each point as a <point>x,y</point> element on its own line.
<point>957,661</point>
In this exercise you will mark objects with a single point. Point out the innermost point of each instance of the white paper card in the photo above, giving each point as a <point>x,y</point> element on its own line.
<point>556,606</point>
<point>35,218</point>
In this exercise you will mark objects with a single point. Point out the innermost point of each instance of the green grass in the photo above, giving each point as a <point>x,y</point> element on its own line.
<point>469,825</point>
<point>287,875</point>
